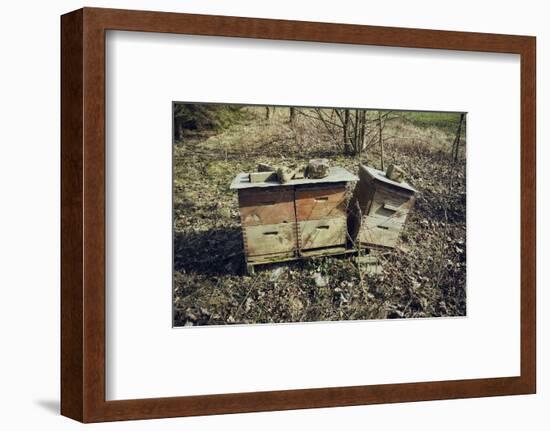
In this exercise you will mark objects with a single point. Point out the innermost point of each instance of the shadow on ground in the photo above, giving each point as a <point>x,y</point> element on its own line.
<point>210,252</point>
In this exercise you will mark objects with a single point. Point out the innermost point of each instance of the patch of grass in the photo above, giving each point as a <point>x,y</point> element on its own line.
<point>446,121</point>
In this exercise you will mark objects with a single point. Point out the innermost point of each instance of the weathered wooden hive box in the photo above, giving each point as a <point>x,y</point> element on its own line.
<point>300,218</point>
<point>379,209</point>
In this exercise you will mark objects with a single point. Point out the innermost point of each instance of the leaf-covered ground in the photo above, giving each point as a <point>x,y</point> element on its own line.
<point>424,277</point>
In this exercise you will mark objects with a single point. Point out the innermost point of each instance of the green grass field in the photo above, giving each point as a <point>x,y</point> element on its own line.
<point>446,121</point>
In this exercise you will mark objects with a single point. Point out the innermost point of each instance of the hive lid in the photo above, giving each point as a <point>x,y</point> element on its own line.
<point>336,175</point>
<point>381,176</point>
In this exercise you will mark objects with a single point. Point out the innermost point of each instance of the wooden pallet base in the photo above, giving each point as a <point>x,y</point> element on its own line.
<point>375,247</point>
<point>252,262</point>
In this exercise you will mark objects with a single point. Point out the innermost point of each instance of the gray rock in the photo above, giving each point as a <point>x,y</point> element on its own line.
<point>395,173</point>
<point>276,273</point>
<point>317,168</point>
<point>264,167</point>
<point>300,173</point>
<point>319,280</point>
<point>285,174</point>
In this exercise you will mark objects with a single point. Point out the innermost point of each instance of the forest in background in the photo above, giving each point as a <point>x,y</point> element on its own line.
<point>425,276</point>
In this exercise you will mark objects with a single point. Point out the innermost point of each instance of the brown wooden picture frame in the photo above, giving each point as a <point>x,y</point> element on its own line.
<point>83,214</point>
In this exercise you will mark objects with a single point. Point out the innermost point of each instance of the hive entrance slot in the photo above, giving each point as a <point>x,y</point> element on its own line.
<point>390,207</point>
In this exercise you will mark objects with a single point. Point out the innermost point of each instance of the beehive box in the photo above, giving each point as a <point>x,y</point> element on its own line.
<point>321,215</point>
<point>379,209</point>
<point>268,221</point>
<point>300,218</point>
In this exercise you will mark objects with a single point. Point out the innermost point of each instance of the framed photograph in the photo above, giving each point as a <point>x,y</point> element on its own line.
<point>267,215</point>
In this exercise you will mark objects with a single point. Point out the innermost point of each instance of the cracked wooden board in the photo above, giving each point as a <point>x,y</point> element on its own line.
<point>266,206</point>
<point>320,202</point>
<point>270,239</point>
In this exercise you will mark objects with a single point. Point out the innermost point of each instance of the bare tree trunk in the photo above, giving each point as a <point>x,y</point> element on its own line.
<point>362,132</point>
<point>380,141</point>
<point>267,112</point>
<point>456,143</point>
<point>178,129</point>
<point>346,127</point>
<point>356,133</point>
<point>292,115</point>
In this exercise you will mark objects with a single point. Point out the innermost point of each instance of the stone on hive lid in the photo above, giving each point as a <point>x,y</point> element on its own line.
<point>300,173</point>
<point>264,167</point>
<point>260,177</point>
<point>317,168</point>
<point>395,173</point>
<point>285,174</point>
